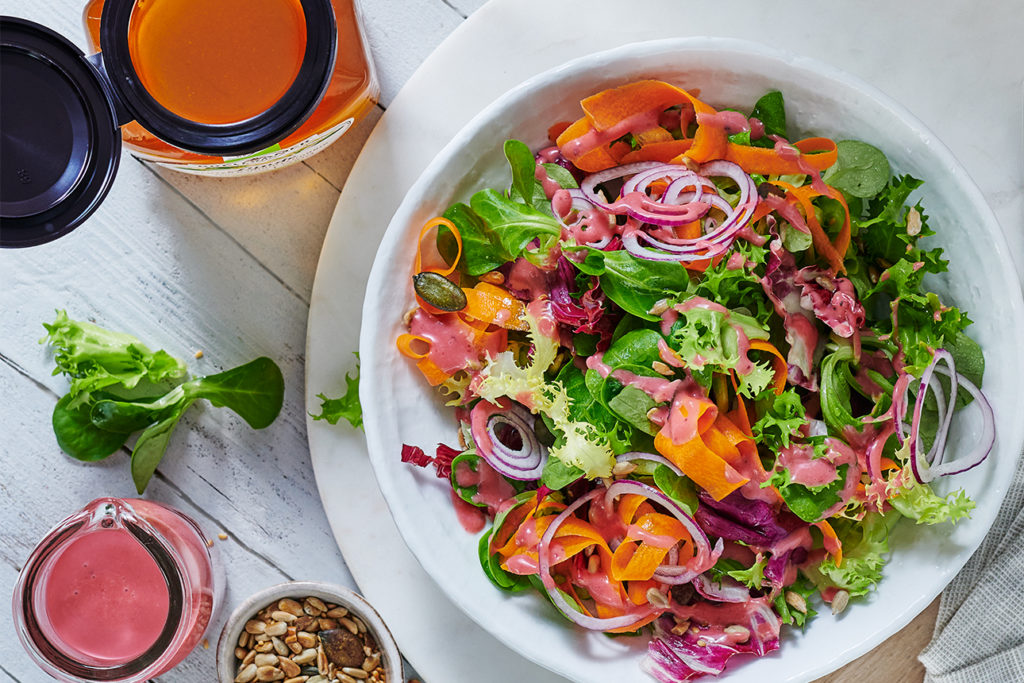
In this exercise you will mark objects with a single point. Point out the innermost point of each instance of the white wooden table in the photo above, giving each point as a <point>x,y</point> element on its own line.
<point>225,267</point>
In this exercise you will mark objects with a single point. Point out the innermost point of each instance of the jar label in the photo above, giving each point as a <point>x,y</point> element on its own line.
<point>268,159</point>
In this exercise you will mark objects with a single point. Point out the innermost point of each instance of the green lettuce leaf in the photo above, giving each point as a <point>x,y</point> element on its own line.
<point>346,406</point>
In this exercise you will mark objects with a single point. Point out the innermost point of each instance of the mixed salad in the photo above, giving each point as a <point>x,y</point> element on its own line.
<point>694,373</point>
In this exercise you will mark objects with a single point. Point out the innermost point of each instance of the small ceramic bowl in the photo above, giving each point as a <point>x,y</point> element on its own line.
<point>227,663</point>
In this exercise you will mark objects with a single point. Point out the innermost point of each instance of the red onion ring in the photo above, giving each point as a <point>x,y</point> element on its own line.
<point>727,590</point>
<point>544,568</point>
<point>525,463</point>
<point>705,556</point>
<point>926,467</point>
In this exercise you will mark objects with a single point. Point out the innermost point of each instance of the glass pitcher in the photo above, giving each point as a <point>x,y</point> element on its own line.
<point>122,590</point>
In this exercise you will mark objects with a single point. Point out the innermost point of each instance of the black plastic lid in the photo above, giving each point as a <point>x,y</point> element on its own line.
<point>59,141</point>
<point>60,114</point>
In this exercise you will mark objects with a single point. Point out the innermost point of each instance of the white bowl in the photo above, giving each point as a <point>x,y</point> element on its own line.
<point>399,407</point>
<point>227,663</point>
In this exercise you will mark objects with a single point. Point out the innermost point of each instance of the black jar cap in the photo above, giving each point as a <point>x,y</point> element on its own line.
<point>59,141</point>
<point>60,113</point>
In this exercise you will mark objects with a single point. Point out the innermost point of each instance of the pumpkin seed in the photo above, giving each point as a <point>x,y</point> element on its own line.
<point>439,291</point>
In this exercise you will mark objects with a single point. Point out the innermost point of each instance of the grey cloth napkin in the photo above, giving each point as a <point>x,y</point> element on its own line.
<point>979,633</point>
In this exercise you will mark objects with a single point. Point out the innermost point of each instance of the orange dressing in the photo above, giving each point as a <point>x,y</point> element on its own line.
<point>217,61</point>
<point>351,93</point>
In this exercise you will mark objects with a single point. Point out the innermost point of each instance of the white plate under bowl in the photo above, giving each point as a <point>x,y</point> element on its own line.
<point>399,407</point>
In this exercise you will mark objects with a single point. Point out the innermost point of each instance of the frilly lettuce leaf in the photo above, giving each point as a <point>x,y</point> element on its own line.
<point>919,502</point>
<point>581,444</point>
<point>864,545</point>
<point>94,358</point>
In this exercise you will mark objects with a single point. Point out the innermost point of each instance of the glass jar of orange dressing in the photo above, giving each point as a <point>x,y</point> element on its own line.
<point>214,87</point>
<point>230,62</point>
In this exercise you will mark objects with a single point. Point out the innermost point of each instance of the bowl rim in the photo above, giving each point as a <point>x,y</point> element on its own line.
<point>400,226</point>
<point>344,597</point>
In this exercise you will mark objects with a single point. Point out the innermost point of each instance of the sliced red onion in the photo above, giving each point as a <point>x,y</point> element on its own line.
<point>524,463</point>
<point>726,590</point>
<point>544,568</point>
<point>988,431</point>
<point>660,459</point>
<point>926,467</point>
<point>705,556</point>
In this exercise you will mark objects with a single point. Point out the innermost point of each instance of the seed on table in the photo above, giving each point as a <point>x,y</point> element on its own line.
<point>355,673</point>
<point>269,673</point>
<point>307,656</point>
<point>247,674</point>
<point>291,606</point>
<point>290,668</point>
<point>306,639</point>
<point>281,615</point>
<point>266,660</point>
<point>254,627</point>
<point>279,647</point>
<point>278,628</point>
<point>337,612</point>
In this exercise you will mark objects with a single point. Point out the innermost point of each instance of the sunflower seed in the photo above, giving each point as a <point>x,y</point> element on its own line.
<point>839,601</point>
<point>254,627</point>
<point>371,662</point>
<point>278,628</point>
<point>657,598</point>
<point>247,674</point>
<point>297,679</point>
<point>290,606</point>
<point>741,633</point>
<point>290,668</point>
<point>355,673</point>
<point>349,624</point>
<point>306,639</point>
<point>305,657</point>
<point>623,468</point>
<point>279,647</point>
<point>268,673</point>
<point>337,612</point>
<point>796,601</point>
<point>662,368</point>
<point>281,615</point>
<point>266,660</point>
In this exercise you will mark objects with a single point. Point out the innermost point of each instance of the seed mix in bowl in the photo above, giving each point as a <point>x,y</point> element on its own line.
<point>307,642</point>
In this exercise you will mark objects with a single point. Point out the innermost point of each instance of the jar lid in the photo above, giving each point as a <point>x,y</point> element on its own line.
<point>60,141</point>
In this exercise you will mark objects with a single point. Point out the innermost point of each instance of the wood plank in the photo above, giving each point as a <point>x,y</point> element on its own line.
<point>40,487</point>
<point>895,660</point>
<point>148,263</point>
<point>403,33</point>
